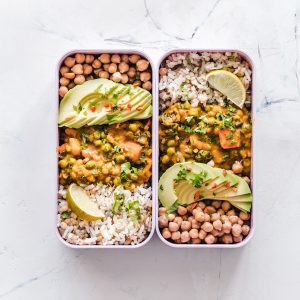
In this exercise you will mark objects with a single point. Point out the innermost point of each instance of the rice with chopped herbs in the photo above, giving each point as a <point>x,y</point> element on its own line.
<point>183,77</point>
<point>127,216</point>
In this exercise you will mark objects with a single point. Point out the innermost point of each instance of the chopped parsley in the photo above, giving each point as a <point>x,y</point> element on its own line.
<point>226,120</point>
<point>161,187</point>
<point>182,174</point>
<point>230,137</point>
<point>65,215</point>
<point>112,118</point>
<point>198,178</point>
<point>117,203</point>
<point>200,129</point>
<point>78,108</point>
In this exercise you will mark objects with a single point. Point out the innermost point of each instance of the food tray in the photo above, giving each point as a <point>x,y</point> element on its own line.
<point>253,210</point>
<point>154,147</point>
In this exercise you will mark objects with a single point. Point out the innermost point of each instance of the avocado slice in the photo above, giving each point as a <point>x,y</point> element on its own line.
<point>167,192</point>
<point>147,113</point>
<point>242,188</point>
<point>240,199</point>
<point>243,206</point>
<point>227,180</point>
<point>69,105</point>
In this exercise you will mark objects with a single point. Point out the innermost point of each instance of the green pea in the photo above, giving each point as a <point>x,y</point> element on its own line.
<point>98,143</point>
<point>97,135</point>
<point>165,159</point>
<point>120,158</point>
<point>106,148</point>
<point>171,143</point>
<point>133,127</point>
<point>134,177</point>
<point>90,165</point>
<point>91,137</point>
<point>63,163</point>
<point>171,151</point>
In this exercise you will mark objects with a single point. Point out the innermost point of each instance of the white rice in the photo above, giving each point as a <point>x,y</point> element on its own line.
<point>114,229</point>
<point>186,77</point>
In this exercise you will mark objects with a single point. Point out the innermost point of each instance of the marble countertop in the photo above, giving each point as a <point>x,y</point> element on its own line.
<point>34,264</point>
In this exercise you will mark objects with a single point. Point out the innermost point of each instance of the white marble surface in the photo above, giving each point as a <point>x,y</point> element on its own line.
<point>33,263</point>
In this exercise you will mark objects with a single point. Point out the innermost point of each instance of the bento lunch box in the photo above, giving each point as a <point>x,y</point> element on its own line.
<point>155,150</point>
<point>253,210</point>
<point>154,146</point>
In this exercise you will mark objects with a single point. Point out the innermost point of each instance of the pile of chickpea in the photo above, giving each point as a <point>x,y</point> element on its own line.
<point>207,222</point>
<point>124,68</point>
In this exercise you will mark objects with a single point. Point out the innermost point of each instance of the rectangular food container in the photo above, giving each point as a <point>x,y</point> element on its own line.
<point>253,209</point>
<point>154,146</point>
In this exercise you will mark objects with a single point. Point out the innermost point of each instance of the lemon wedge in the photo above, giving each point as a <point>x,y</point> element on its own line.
<point>81,204</point>
<point>229,85</point>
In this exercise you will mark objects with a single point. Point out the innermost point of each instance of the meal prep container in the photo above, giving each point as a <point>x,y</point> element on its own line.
<point>154,146</point>
<point>156,103</point>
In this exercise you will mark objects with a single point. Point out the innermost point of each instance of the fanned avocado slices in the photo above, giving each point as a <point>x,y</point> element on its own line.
<point>185,183</point>
<point>102,101</point>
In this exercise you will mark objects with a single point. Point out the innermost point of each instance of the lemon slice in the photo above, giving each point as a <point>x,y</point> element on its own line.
<point>229,85</point>
<point>81,204</point>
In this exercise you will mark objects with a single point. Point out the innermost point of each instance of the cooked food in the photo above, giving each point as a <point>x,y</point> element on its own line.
<point>118,154</point>
<point>214,132</point>
<point>105,154</point>
<point>186,183</point>
<point>79,68</point>
<point>102,101</point>
<point>205,148</point>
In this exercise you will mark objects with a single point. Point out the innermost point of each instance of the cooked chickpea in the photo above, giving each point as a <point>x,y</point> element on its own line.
<point>77,69</point>
<point>142,65</point>
<point>166,233</point>
<point>214,217</point>
<point>227,239</point>
<point>104,58</point>
<point>79,58</point>
<point>245,229</point>
<point>206,218</point>
<point>112,68</point>
<point>178,220</point>
<point>215,232</point>
<point>227,227</point>
<point>194,233</point>
<point>226,206</point>
<point>207,227</point>
<point>202,234</point>
<point>145,76</point>
<point>181,210</point>
<point>79,79</point>
<point>233,219</point>
<point>197,209</point>
<point>105,67</point>
<point>147,85</point>
<point>217,225</point>
<point>211,163</point>
<point>163,71</point>
<point>210,239</point>
<point>131,72</point>
<point>116,58</point>
<point>241,222</point>
<point>244,216</point>
<point>238,239</point>
<point>195,224</point>
<point>196,241</point>
<point>96,64</point>
<point>220,211</point>
<point>124,79</point>
<point>237,167</point>
<point>64,70</point>
<point>224,218</point>
<point>69,75</point>
<point>200,217</point>
<point>124,57</point>
<point>116,77</point>
<point>202,205</point>
<point>69,61</point>
<point>171,217</point>
<point>123,67</point>
<point>184,237</point>
<point>162,211</point>
<point>230,213</point>
<point>103,74</point>
<point>186,225</point>
<point>216,204</point>
<point>63,90</point>
<point>87,69</point>
<point>173,226</point>
<point>71,85</point>
<point>89,58</point>
<point>134,58</point>
<point>236,230</point>
<point>64,81</point>
<point>175,235</point>
<point>163,221</point>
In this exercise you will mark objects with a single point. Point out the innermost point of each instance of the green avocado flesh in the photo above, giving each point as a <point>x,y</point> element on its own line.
<point>102,101</point>
<point>185,183</point>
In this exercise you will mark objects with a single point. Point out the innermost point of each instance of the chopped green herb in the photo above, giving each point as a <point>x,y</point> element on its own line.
<point>161,187</point>
<point>198,178</point>
<point>65,215</point>
<point>117,203</point>
<point>200,129</point>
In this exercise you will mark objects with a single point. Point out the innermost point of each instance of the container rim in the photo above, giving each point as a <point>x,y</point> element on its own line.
<point>154,131</point>
<point>253,147</point>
